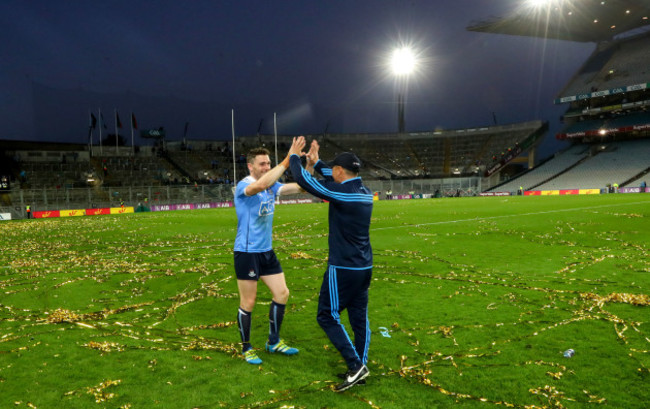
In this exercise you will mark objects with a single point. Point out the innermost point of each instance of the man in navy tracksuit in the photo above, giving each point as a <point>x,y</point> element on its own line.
<point>346,281</point>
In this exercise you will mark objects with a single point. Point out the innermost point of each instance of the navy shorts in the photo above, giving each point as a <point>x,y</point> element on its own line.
<point>251,266</point>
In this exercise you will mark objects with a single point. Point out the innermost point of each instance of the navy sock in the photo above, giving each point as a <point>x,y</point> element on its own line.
<point>244,324</point>
<point>276,315</point>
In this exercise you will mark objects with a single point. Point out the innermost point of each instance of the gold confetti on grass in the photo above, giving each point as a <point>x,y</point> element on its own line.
<point>61,315</point>
<point>421,377</point>
<point>625,298</point>
<point>203,344</point>
<point>301,255</point>
<point>446,331</point>
<point>552,394</point>
<point>100,393</point>
<point>105,346</point>
<point>555,375</point>
<point>594,398</point>
<point>208,326</point>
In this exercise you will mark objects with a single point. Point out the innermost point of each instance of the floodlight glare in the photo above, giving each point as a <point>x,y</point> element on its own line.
<point>403,61</point>
<point>540,3</point>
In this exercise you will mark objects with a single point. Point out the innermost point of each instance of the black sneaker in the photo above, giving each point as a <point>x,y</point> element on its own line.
<point>344,375</point>
<point>352,377</point>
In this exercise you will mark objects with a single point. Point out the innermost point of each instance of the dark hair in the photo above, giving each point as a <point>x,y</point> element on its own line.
<point>250,158</point>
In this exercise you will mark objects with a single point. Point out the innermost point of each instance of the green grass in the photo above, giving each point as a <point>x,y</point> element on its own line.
<point>481,297</point>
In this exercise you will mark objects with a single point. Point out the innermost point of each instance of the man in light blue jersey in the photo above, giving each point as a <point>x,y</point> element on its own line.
<point>254,256</point>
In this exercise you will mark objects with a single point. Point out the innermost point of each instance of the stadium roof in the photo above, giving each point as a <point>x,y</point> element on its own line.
<point>571,20</point>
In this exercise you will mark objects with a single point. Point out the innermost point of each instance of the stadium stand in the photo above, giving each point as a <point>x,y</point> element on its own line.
<point>449,162</point>
<point>438,154</point>
<point>607,120</point>
<point>608,164</point>
<point>141,171</point>
<point>640,180</point>
<point>587,166</point>
<point>608,98</point>
<point>549,169</point>
<point>613,65</point>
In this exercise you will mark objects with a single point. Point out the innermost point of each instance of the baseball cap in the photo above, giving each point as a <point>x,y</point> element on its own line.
<point>346,160</point>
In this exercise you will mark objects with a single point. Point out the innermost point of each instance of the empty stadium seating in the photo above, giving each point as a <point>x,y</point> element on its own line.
<point>614,163</point>
<point>613,65</point>
<point>588,166</point>
<point>547,170</point>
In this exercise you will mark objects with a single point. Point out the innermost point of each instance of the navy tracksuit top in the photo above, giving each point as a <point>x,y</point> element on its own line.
<point>350,209</point>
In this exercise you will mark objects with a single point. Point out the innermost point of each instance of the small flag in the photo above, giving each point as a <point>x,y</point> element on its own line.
<point>134,123</point>
<point>93,121</point>
<point>117,120</point>
<point>101,120</point>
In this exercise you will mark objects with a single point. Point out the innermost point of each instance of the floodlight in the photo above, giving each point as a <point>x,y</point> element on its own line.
<point>539,3</point>
<point>543,4</point>
<point>403,61</point>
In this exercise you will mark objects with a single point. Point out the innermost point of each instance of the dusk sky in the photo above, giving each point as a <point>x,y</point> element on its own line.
<point>316,64</point>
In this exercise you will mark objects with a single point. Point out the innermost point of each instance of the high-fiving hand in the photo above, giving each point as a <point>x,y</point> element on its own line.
<point>296,148</point>
<point>312,155</point>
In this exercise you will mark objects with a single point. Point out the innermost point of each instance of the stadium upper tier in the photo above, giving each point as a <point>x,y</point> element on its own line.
<point>613,123</point>
<point>440,153</point>
<point>434,154</point>
<point>576,20</point>
<point>612,66</point>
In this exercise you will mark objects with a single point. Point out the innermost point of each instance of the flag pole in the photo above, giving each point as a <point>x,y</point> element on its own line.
<point>117,150</point>
<point>275,130</point>
<point>234,167</point>
<point>90,132</point>
<point>132,138</point>
<point>101,124</point>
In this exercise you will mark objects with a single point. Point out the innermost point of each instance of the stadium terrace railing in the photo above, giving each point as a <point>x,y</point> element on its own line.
<point>100,197</point>
<point>461,186</point>
<point>88,198</point>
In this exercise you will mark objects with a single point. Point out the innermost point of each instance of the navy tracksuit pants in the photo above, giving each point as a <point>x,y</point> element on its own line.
<point>345,288</point>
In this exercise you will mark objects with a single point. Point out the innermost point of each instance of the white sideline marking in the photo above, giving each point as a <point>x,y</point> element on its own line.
<point>509,215</point>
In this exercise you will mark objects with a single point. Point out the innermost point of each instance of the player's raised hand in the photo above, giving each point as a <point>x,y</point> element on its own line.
<point>297,146</point>
<point>312,155</point>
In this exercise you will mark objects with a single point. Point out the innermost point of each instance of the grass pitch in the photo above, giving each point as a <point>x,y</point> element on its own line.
<point>479,297</point>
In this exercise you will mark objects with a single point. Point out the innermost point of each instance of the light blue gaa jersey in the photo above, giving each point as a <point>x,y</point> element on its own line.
<point>254,217</point>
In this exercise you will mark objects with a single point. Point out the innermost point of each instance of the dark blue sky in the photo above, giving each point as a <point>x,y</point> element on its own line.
<point>313,62</point>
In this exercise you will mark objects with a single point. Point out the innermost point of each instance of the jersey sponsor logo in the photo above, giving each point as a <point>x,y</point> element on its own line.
<point>267,207</point>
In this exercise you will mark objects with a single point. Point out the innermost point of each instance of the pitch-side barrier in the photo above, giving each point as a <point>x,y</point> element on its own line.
<point>213,205</point>
<point>561,192</point>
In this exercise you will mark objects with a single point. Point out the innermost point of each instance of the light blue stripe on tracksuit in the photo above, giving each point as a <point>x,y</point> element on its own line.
<point>346,289</point>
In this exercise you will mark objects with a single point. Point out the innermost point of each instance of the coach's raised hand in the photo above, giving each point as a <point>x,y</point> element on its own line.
<point>312,155</point>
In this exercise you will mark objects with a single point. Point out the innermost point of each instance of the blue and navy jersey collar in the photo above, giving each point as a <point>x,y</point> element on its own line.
<point>349,180</point>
